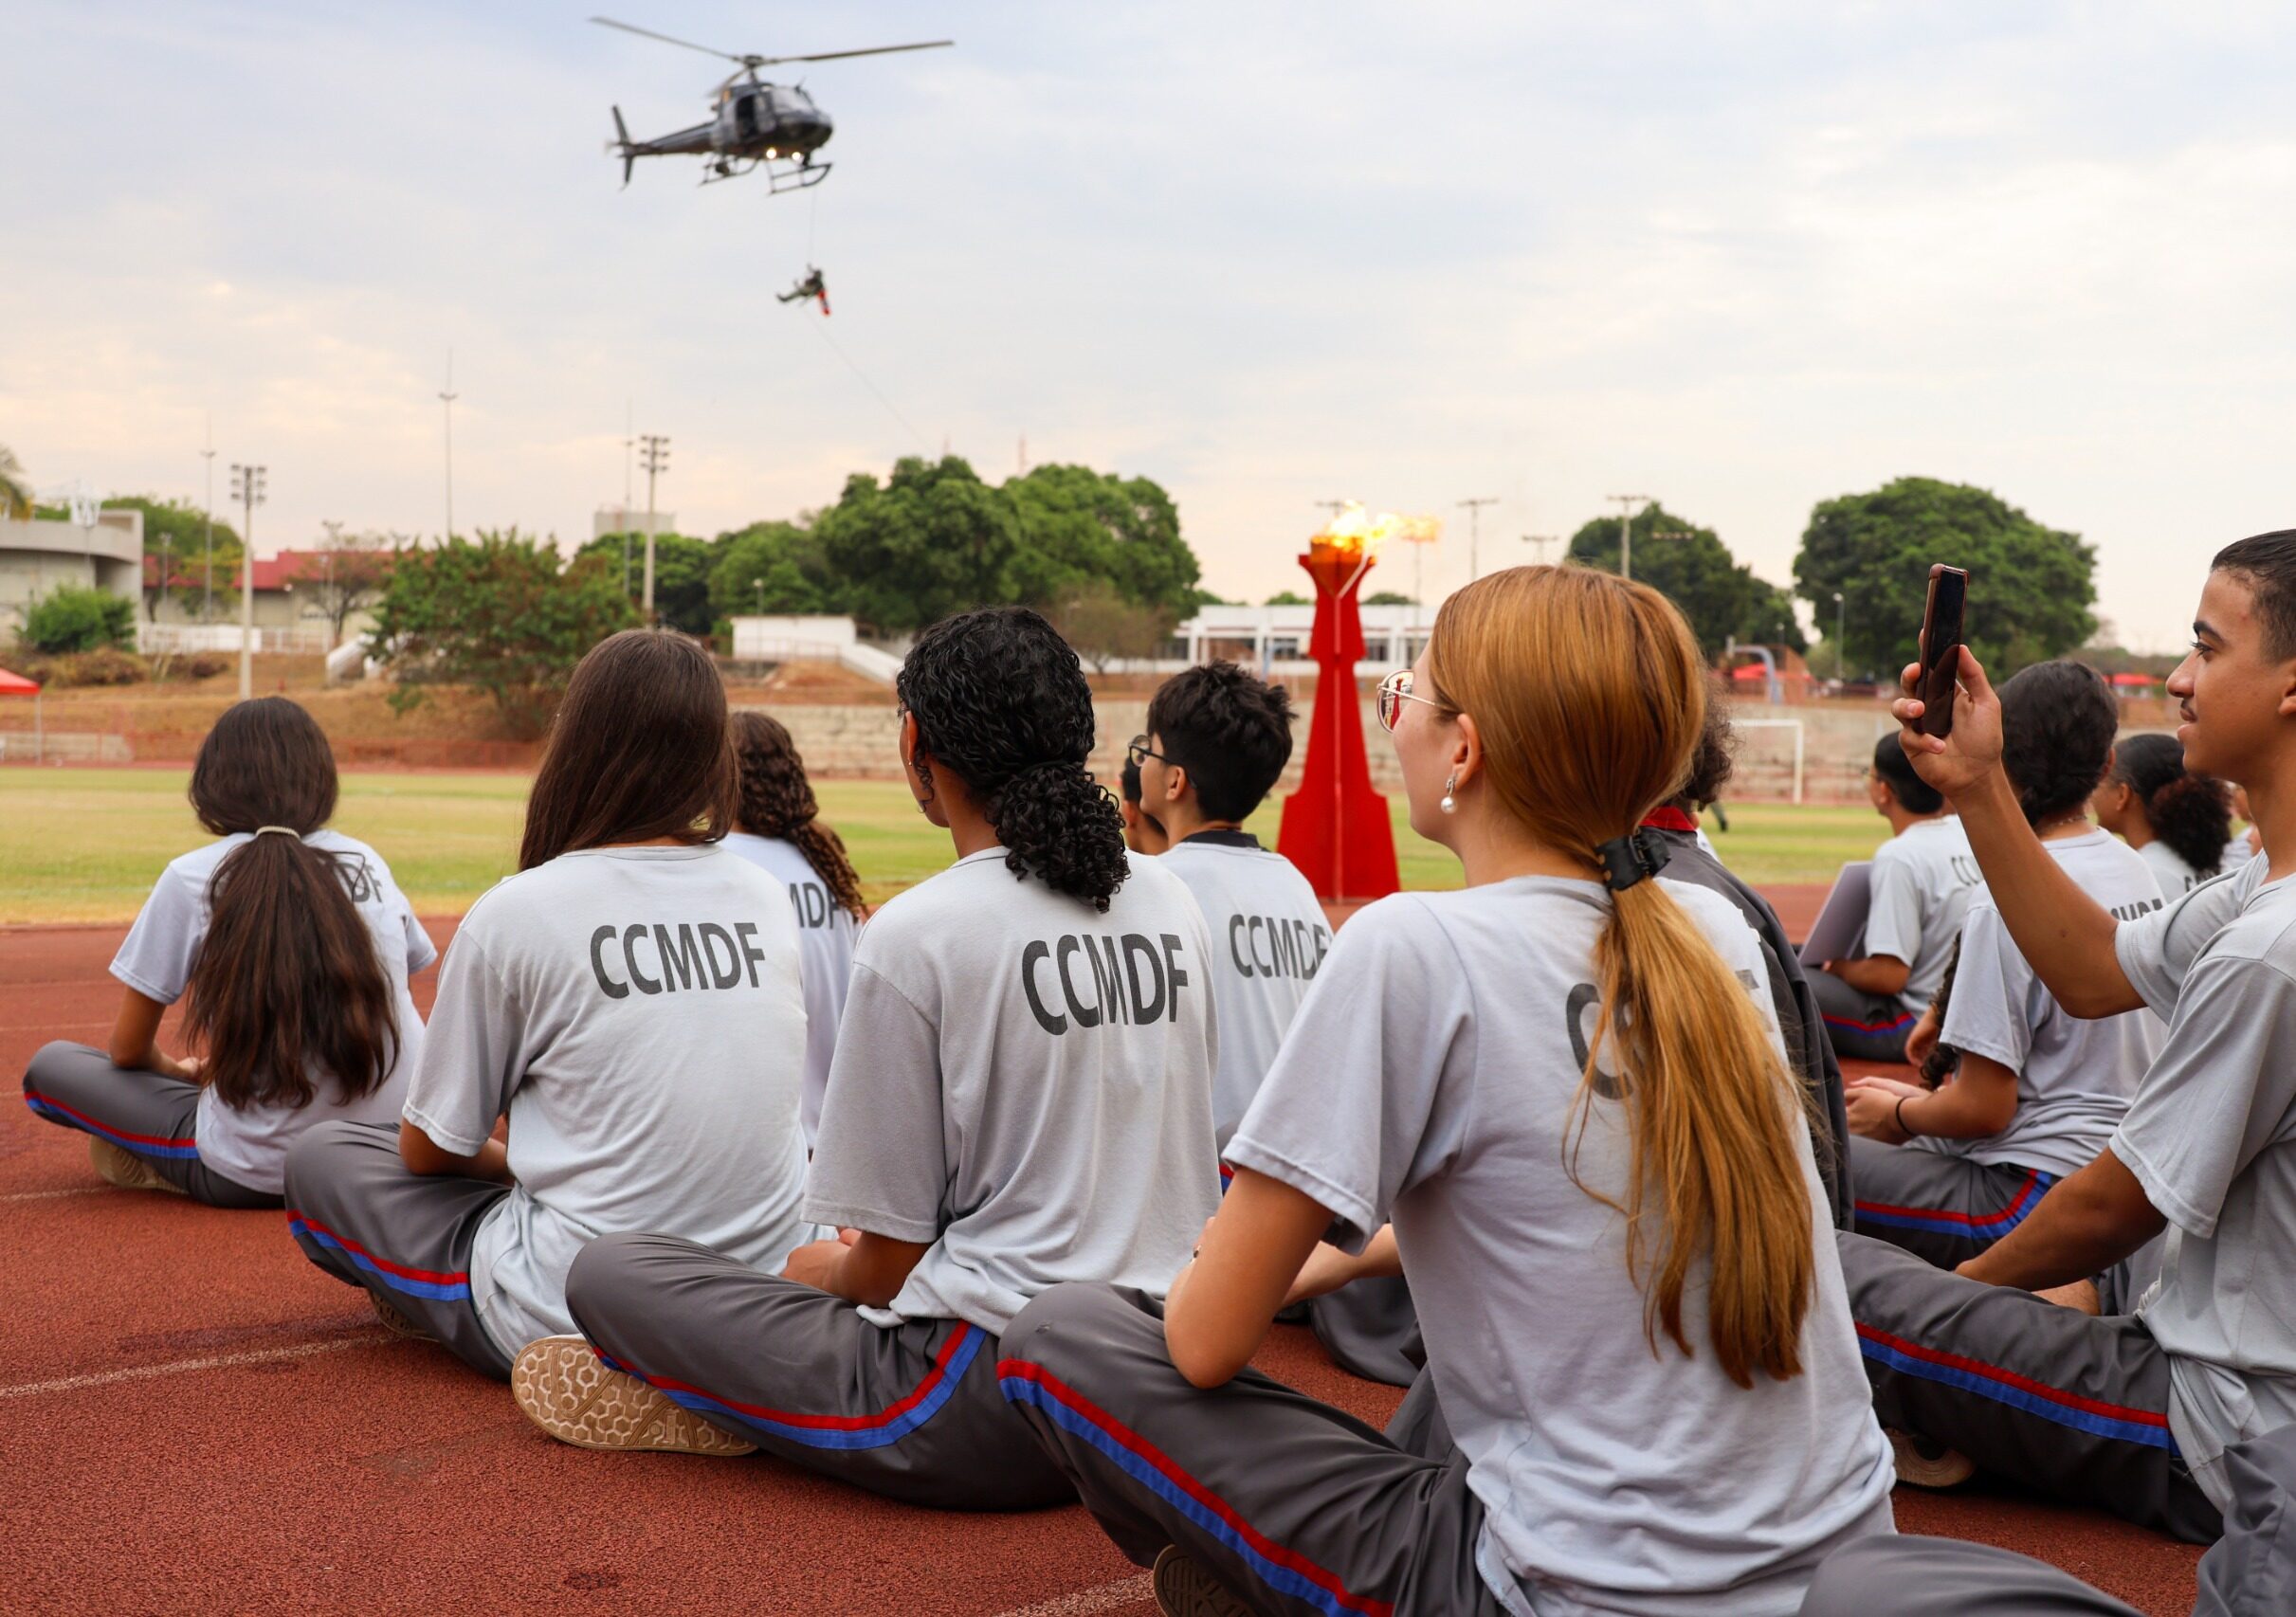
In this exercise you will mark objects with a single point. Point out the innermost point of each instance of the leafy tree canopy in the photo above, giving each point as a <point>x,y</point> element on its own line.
<point>1288,598</point>
<point>1387,598</point>
<point>681,575</point>
<point>503,612</point>
<point>770,567</point>
<point>1691,566</point>
<point>930,540</point>
<point>1078,525</point>
<point>2030,587</point>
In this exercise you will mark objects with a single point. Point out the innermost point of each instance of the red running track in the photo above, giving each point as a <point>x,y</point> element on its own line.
<point>196,1418</point>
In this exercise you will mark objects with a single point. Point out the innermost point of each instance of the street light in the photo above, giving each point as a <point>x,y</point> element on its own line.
<point>1841,615</point>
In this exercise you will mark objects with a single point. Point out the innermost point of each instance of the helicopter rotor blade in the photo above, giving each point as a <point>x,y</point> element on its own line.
<point>840,55</point>
<point>689,45</point>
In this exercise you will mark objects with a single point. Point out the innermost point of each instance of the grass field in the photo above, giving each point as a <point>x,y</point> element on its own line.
<point>86,844</point>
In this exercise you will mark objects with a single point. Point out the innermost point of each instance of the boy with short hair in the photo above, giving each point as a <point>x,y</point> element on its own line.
<point>2133,1413</point>
<point>1142,834</point>
<point>1923,878</point>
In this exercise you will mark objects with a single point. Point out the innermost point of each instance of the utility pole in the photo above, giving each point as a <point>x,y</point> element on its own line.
<point>1474,533</point>
<point>247,488</point>
<point>1841,615</point>
<point>1542,541</point>
<point>629,442</point>
<point>656,458</point>
<point>446,396</point>
<point>1626,531</point>
<point>207,600</point>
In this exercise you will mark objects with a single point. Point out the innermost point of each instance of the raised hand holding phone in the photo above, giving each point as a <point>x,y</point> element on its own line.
<point>1940,646</point>
<point>1954,763</point>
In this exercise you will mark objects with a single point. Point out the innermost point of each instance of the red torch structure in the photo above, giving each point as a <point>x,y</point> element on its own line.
<point>1336,827</point>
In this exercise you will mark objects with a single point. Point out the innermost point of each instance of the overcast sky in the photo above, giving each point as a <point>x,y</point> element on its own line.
<point>1742,257</point>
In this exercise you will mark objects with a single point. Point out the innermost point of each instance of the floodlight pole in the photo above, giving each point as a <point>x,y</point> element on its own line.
<point>247,488</point>
<point>629,442</point>
<point>446,398</point>
<point>207,599</point>
<point>1542,541</point>
<point>1474,533</point>
<point>1626,531</point>
<point>655,459</point>
<point>1841,615</point>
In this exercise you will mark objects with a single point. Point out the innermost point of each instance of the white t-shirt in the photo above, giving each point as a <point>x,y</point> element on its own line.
<point>249,1146</point>
<point>1268,934</point>
<point>2074,1076</point>
<point>2173,873</point>
<point>1923,878</point>
<point>825,958</point>
<point>1429,1079</point>
<point>637,1013</point>
<point>1025,1084</point>
<point>2212,1137</point>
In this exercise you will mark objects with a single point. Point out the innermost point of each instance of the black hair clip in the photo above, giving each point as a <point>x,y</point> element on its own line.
<point>1627,859</point>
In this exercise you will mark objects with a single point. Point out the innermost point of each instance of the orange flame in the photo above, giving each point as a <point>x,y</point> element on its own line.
<point>1353,533</point>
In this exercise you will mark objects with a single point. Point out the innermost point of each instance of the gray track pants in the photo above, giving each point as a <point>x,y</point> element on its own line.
<point>1943,1208</point>
<point>2069,1404</point>
<point>146,1113</point>
<point>1371,1328</point>
<point>912,1411</point>
<point>358,1213</point>
<point>1293,1506</point>
<point>1863,1028</point>
<point>2250,1573</point>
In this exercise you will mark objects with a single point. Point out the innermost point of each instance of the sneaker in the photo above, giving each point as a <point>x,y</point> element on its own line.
<point>116,1166</point>
<point>567,1391</point>
<point>1927,1465</point>
<point>399,1324</point>
<point>1183,1589</point>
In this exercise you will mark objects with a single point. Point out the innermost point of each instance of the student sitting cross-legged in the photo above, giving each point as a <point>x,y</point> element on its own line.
<point>2037,1092</point>
<point>1022,1096</point>
<point>1218,739</point>
<point>1923,880</point>
<point>779,833</point>
<point>290,945</point>
<point>2180,822</point>
<point>1565,1085</point>
<point>630,999</point>
<point>2133,1413</point>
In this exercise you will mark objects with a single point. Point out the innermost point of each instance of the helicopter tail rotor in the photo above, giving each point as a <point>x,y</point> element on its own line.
<point>629,157</point>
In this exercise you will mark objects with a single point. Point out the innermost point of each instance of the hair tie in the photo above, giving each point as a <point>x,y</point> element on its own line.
<point>1629,858</point>
<point>282,831</point>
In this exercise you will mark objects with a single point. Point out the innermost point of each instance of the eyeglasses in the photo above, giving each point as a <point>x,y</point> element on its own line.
<point>1394,691</point>
<point>1138,753</point>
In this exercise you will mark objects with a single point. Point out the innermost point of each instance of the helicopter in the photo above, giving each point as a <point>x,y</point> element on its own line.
<point>756,125</point>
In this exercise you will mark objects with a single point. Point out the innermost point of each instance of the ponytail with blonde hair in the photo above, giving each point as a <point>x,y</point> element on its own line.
<point>1588,694</point>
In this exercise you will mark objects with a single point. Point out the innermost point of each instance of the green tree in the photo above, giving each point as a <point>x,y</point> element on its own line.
<point>2029,586</point>
<point>1101,624</point>
<point>932,539</point>
<point>176,548</point>
<point>1288,598</point>
<point>1078,525</point>
<point>72,617</point>
<point>1691,566</point>
<point>1387,598</point>
<point>784,559</point>
<point>681,575</point>
<point>503,612</point>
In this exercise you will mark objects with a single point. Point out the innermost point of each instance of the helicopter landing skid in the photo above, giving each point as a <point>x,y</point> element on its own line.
<point>778,177</point>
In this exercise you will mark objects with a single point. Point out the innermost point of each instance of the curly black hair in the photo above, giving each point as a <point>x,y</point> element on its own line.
<point>1000,703</point>
<point>2057,725</point>
<point>1229,729</point>
<point>778,801</point>
<point>2193,814</point>
<point>1713,763</point>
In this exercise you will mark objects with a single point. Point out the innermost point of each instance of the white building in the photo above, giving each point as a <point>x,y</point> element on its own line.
<point>622,519</point>
<point>1273,640</point>
<point>37,556</point>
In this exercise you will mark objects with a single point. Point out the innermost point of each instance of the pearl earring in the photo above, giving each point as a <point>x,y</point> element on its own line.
<point>1449,804</point>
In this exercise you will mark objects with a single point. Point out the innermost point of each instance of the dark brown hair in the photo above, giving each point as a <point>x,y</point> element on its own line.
<point>778,801</point>
<point>286,977</point>
<point>637,750</point>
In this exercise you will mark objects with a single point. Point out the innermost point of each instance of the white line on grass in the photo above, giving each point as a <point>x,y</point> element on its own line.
<point>1101,1597</point>
<point>179,1367</point>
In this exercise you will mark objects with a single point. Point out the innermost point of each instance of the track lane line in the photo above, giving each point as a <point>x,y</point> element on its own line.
<point>52,1195</point>
<point>1100,1597</point>
<point>181,1367</point>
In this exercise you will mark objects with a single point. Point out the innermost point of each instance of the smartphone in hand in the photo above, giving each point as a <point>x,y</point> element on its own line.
<point>1940,657</point>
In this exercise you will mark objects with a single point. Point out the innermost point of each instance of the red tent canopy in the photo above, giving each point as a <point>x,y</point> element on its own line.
<point>17,685</point>
<point>2126,680</point>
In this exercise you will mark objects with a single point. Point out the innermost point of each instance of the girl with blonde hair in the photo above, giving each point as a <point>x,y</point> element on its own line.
<point>1565,1084</point>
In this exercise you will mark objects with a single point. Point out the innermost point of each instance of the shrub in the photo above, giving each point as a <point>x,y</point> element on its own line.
<point>105,665</point>
<point>73,618</point>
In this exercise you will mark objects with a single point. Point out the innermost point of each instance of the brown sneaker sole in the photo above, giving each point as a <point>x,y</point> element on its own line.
<point>1928,1465</point>
<point>564,1388</point>
<point>115,1165</point>
<point>1183,1589</point>
<point>398,1324</point>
